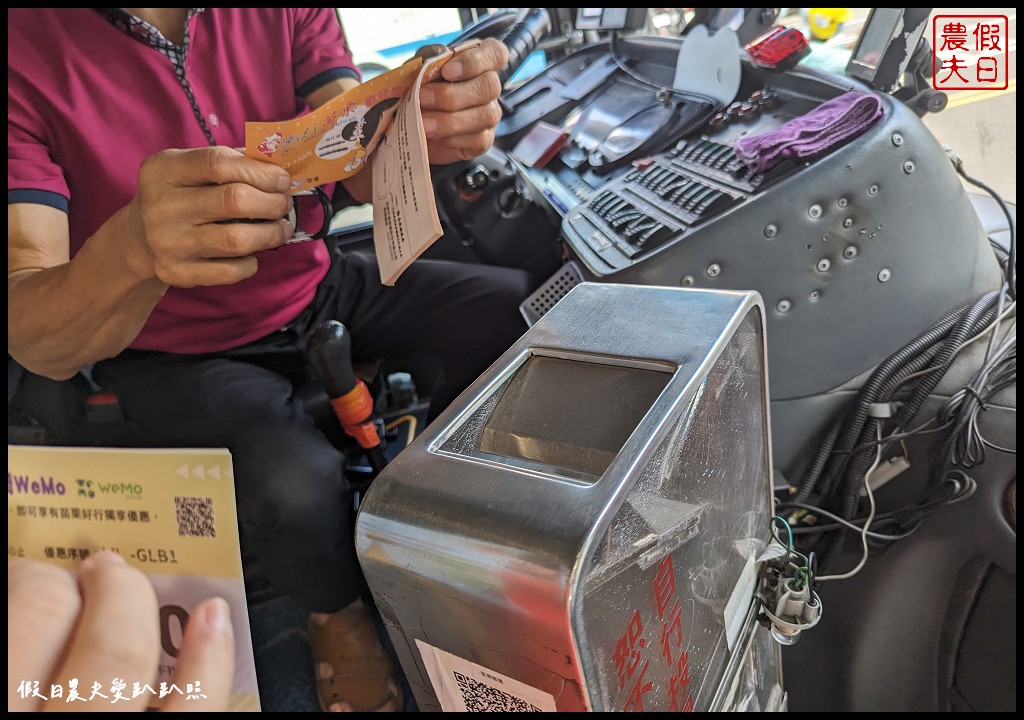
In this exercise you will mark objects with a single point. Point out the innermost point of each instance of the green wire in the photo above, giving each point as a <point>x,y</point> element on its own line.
<point>802,575</point>
<point>789,531</point>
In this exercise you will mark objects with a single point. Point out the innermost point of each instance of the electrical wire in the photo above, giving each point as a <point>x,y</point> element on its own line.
<point>965,488</point>
<point>880,391</point>
<point>1000,448</point>
<point>884,444</point>
<point>1010,268</point>
<point>852,448</point>
<point>410,432</point>
<point>966,447</point>
<point>1003,292</point>
<point>972,322</point>
<point>980,314</point>
<point>886,441</point>
<point>867,523</point>
<point>1012,307</point>
<point>854,460</point>
<point>1001,254</point>
<point>1010,264</point>
<point>802,574</point>
<point>789,530</point>
<point>839,523</point>
<point>831,473</point>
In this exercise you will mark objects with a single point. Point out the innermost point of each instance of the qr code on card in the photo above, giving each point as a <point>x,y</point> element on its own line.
<point>195,517</point>
<point>480,697</point>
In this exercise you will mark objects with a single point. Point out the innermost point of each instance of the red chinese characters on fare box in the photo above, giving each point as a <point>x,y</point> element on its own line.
<point>972,52</point>
<point>631,665</point>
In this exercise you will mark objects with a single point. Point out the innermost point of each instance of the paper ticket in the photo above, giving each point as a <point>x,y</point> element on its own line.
<point>335,141</point>
<point>170,513</point>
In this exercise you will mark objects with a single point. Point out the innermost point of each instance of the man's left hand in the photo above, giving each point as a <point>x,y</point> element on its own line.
<point>460,109</point>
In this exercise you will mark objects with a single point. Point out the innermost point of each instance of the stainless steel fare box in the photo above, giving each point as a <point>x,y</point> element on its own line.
<point>580,530</point>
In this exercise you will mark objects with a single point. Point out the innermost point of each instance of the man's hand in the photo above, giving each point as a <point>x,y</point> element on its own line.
<point>460,109</point>
<point>102,623</point>
<point>178,215</point>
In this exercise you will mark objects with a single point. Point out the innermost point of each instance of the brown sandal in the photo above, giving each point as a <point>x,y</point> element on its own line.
<point>353,671</point>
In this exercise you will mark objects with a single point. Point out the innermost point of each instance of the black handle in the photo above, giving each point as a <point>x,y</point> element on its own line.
<point>325,204</point>
<point>330,356</point>
<point>522,39</point>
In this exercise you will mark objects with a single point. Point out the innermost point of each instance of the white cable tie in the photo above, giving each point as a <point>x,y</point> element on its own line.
<point>881,410</point>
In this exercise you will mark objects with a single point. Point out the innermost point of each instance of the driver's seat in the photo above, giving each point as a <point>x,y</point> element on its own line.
<point>78,412</point>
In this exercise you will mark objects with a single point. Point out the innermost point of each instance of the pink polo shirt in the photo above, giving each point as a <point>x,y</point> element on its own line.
<point>87,101</point>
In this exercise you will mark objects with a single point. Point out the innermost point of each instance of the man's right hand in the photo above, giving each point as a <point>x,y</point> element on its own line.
<point>64,314</point>
<point>179,211</point>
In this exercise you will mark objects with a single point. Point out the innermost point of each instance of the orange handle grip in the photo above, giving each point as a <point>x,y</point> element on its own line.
<point>353,410</point>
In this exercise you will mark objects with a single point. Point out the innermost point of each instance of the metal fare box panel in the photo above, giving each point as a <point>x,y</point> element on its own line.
<point>580,530</point>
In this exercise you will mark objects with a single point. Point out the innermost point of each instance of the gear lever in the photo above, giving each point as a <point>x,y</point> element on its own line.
<point>330,356</point>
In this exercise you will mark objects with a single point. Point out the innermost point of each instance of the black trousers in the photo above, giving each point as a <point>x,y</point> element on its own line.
<point>293,504</point>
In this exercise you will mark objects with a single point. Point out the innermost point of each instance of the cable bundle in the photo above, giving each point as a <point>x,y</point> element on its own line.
<point>884,411</point>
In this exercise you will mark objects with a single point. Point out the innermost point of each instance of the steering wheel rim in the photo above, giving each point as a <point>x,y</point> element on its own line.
<point>493,25</point>
<point>520,30</point>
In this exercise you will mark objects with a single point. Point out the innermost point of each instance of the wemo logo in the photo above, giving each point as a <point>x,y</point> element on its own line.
<point>46,485</point>
<point>89,488</point>
<point>24,485</point>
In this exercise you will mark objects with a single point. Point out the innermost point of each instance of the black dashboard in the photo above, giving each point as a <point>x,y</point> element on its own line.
<point>644,165</point>
<point>649,189</point>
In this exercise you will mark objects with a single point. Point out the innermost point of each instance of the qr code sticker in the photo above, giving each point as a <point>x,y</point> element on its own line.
<point>195,517</point>
<point>480,697</point>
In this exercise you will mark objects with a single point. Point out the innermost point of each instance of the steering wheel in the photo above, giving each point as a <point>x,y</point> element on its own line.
<point>473,193</point>
<point>493,24</point>
<point>520,31</point>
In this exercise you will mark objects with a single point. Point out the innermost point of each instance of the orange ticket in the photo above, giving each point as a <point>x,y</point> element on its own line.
<point>334,141</point>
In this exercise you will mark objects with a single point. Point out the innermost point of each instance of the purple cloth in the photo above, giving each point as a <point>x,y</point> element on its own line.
<point>828,125</point>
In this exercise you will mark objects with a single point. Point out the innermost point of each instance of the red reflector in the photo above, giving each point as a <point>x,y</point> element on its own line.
<point>781,49</point>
